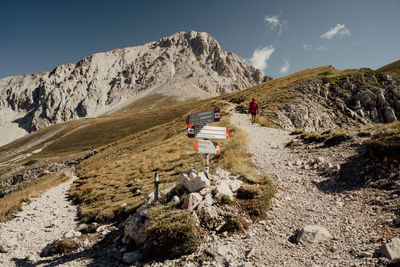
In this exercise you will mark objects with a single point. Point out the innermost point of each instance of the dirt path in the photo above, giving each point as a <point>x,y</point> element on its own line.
<point>40,222</point>
<point>299,202</point>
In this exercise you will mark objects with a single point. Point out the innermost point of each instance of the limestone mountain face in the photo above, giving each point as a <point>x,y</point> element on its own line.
<point>350,100</point>
<point>185,65</point>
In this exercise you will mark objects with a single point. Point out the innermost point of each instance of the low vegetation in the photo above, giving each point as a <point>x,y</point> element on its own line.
<point>384,145</point>
<point>233,224</point>
<point>171,232</point>
<point>328,138</point>
<point>65,245</point>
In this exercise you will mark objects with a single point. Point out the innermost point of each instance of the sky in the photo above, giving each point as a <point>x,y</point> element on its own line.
<point>279,37</point>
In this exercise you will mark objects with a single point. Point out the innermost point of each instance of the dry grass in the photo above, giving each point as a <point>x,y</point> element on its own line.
<point>329,137</point>
<point>171,232</point>
<point>392,69</point>
<point>385,143</point>
<point>109,179</point>
<point>12,202</point>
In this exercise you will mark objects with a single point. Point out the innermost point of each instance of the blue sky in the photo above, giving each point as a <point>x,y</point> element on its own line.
<point>281,37</point>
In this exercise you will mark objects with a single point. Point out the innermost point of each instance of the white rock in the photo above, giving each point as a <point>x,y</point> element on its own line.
<point>208,200</point>
<point>204,191</point>
<point>71,234</point>
<point>391,250</point>
<point>196,184</point>
<point>192,175</point>
<point>222,173</point>
<point>235,185</point>
<point>192,201</point>
<point>209,216</point>
<point>320,160</point>
<point>223,189</point>
<point>313,234</point>
<point>174,201</point>
<point>131,257</point>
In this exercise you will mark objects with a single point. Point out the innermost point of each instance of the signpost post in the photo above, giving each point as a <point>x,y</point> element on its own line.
<point>198,128</point>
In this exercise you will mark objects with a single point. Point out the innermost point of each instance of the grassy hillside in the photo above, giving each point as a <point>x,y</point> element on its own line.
<point>392,69</point>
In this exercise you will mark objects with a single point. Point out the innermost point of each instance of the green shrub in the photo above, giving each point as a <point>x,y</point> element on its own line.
<point>171,233</point>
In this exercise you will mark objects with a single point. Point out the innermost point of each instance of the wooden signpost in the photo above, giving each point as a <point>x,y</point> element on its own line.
<point>198,128</point>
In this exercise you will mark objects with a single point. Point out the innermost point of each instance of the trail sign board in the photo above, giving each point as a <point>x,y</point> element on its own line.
<point>204,117</point>
<point>208,132</point>
<point>206,146</point>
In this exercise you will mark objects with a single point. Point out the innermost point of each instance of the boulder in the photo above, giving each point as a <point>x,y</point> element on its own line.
<point>223,189</point>
<point>380,100</point>
<point>72,233</point>
<point>192,201</point>
<point>391,250</point>
<point>204,191</point>
<point>198,183</point>
<point>132,257</point>
<point>389,114</point>
<point>183,178</point>
<point>235,185</point>
<point>207,202</point>
<point>221,173</point>
<point>312,234</point>
<point>134,230</point>
<point>209,216</point>
<point>174,201</point>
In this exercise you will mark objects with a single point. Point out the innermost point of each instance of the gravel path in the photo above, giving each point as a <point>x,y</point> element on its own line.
<point>41,222</point>
<point>352,223</point>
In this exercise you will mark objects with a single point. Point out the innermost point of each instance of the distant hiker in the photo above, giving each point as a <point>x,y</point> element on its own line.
<point>253,110</point>
<point>91,148</point>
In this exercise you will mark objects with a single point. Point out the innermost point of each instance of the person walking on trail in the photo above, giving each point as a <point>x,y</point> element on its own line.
<point>253,110</point>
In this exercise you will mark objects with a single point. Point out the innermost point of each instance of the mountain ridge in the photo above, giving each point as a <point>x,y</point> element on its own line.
<point>184,65</point>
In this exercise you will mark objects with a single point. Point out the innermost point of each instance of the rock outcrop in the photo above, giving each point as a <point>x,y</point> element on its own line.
<point>184,65</point>
<point>330,99</point>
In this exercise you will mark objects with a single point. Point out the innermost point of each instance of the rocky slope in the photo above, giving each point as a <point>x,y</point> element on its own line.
<point>325,98</point>
<point>185,65</point>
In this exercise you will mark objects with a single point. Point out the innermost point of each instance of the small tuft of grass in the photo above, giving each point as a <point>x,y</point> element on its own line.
<point>233,224</point>
<point>385,145</point>
<point>268,191</point>
<point>336,138</point>
<point>30,162</point>
<point>297,131</point>
<point>65,245</point>
<point>248,191</point>
<point>223,200</point>
<point>293,144</point>
<point>171,233</point>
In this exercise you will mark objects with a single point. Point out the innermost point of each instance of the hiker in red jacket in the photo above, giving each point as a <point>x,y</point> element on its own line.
<point>253,110</point>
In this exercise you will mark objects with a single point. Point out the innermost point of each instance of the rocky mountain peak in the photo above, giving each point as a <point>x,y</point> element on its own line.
<point>183,65</point>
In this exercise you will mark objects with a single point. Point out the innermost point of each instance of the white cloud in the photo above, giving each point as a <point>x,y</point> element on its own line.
<point>285,67</point>
<point>273,21</point>
<point>339,30</point>
<point>307,46</point>
<point>260,57</point>
<point>322,49</point>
